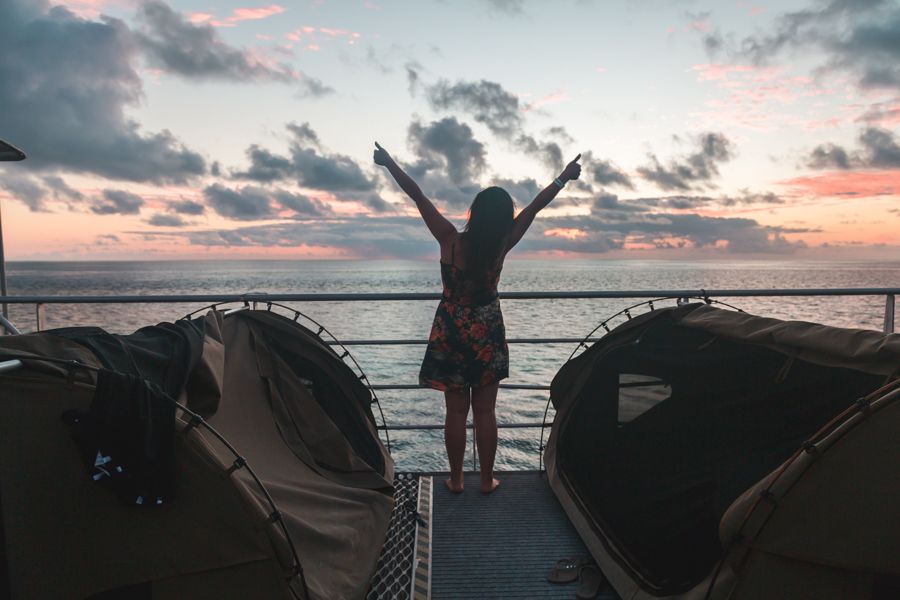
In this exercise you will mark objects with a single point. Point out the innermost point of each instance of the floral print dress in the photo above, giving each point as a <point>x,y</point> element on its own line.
<point>467,346</point>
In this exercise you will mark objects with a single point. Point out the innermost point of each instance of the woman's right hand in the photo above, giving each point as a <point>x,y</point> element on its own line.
<point>381,156</point>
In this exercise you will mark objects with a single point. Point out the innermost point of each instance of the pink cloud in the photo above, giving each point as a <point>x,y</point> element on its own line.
<point>237,15</point>
<point>313,36</point>
<point>553,98</point>
<point>859,184</point>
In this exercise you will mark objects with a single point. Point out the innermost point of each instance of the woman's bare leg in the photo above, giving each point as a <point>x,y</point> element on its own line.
<point>455,435</point>
<point>484,400</point>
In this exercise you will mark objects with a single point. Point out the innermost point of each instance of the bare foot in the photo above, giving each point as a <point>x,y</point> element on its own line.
<point>453,487</point>
<point>490,487</point>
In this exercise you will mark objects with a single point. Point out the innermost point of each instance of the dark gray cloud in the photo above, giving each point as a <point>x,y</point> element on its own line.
<point>312,87</point>
<point>878,149</point>
<point>60,189</point>
<point>500,111</point>
<point>308,165</point>
<point>611,223</point>
<point>303,206</point>
<point>251,203</point>
<point>641,223</point>
<point>24,188</point>
<point>245,204</point>
<point>187,207</point>
<point>117,202</point>
<point>693,171</point>
<point>451,143</point>
<point>508,7</point>
<point>681,202</point>
<point>523,191</point>
<point>858,37</point>
<point>171,42</point>
<point>164,220</point>
<point>265,166</point>
<point>828,156</point>
<point>395,236</point>
<point>303,134</point>
<point>487,101</point>
<point>64,85</point>
<point>604,172</point>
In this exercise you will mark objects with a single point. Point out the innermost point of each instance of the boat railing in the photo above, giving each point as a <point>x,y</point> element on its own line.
<point>254,300</point>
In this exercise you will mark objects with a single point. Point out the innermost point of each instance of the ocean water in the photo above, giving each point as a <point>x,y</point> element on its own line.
<point>529,363</point>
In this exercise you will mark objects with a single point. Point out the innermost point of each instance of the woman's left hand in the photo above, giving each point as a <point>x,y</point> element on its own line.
<point>572,170</point>
<point>381,156</point>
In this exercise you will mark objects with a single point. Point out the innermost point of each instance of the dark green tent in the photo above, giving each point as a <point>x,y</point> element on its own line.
<point>664,425</point>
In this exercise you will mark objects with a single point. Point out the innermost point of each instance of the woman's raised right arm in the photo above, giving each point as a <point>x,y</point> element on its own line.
<point>437,224</point>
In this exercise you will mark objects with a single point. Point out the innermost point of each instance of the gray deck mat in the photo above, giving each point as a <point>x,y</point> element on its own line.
<point>501,545</point>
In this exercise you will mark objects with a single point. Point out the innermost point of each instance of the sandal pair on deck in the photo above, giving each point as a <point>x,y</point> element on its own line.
<point>568,570</point>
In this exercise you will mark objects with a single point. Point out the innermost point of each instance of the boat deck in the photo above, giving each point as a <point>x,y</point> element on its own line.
<point>501,545</point>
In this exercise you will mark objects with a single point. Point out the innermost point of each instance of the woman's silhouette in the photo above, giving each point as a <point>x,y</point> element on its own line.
<point>467,354</point>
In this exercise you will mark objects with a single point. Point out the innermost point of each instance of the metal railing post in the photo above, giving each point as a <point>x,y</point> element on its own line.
<point>889,313</point>
<point>39,316</point>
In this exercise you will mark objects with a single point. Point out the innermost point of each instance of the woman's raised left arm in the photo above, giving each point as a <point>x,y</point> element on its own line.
<point>526,216</point>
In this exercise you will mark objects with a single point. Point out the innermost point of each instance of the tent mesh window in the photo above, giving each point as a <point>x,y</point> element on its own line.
<point>671,428</point>
<point>393,574</point>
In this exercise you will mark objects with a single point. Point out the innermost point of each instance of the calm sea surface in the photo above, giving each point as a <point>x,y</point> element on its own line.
<point>530,364</point>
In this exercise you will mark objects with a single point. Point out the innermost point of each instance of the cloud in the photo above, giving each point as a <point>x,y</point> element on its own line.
<point>497,109</point>
<point>859,38</point>
<point>24,188</point>
<point>508,7</point>
<point>394,236</point>
<point>251,203</point>
<point>878,149</point>
<point>117,202</point>
<point>237,15</point>
<point>523,191</point>
<point>693,170</point>
<point>488,103</point>
<point>196,51</point>
<point>311,87</point>
<point>828,156</point>
<point>451,143</point>
<point>187,207</point>
<point>605,172</point>
<point>244,204</point>
<point>302,206</point>
<point>681,202</point>
<point>164,220</point>
<point>308,165</point>
<point>64,85</point>
<point>60,188</point>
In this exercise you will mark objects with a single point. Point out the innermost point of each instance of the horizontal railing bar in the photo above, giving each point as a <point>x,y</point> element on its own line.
<point>425,341</point>
<point>416,386</point>
<point>511,386</point>
<point>369,297</point>
<point>429,426</point>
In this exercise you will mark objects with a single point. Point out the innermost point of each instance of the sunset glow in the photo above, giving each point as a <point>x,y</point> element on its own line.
<point>177,129</point>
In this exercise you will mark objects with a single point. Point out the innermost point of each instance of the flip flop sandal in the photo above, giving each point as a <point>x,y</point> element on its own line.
<point>566,570</point>
<point>591,579</point>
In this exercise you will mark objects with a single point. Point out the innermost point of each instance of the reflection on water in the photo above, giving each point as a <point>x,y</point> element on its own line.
<point>530,364</point>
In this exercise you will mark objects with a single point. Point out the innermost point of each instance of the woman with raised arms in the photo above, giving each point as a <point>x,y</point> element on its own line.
<point>467,354</point>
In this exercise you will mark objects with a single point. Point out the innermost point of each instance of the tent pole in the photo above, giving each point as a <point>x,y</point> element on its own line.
<point>2,267</point>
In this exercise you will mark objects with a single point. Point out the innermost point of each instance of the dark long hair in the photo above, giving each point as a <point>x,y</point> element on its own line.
<point>487,232</point>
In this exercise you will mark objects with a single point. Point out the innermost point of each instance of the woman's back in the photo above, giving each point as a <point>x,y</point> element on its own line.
<point>463,284</point>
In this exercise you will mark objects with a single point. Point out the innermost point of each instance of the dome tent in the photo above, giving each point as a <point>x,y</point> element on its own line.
<point>676,432</point>
<point>295,413</point>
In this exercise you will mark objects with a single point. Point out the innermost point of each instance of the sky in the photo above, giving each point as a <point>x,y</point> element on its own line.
<point>189,129</point>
